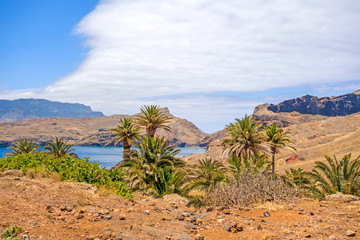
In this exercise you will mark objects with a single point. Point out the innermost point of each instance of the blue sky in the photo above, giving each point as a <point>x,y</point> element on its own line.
<point>209,61</point>
<point>37,43</point>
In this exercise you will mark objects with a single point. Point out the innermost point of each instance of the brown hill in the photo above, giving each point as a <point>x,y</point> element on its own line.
<point>314,136</point>
<point>91,131</point>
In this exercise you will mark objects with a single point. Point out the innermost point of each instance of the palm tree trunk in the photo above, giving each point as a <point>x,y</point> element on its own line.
<point>273,160</point>
<point>151,132</point>
<point>127,147</point>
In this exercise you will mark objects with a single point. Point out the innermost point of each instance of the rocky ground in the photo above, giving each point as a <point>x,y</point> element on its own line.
<point>47,209</point>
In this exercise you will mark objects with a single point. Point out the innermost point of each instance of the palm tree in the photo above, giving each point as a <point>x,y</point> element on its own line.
<point>146,165</point>
<point>152,118</point>
<point>243,138</point>
<point>343,176</point>
<point>126,132</point>
<point>60,148</point>
<point>277,139</point>
<point>208,174</point>
<point>22,147</point>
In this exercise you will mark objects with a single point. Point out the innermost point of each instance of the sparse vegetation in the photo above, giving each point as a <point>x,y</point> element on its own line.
<point>10,233</point>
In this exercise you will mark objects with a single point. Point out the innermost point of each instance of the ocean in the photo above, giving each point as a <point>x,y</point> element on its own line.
<point>109,156</point>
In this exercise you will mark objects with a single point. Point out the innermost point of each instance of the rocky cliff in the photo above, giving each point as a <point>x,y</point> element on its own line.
<point>327,106</point>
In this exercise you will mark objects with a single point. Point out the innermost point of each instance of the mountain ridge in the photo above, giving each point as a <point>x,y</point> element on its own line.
<point>31,108</point>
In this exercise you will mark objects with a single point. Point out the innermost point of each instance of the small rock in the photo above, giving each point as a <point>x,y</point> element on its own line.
<point>147,212</point>
<point>80,216</point>
<point>307,236</point>
<point>107,217</point>
<point>350,233</point>
<point>333,238</point>
<point>25,237</point>
<point>199,237</point>
<point>266,214</point>
<point>221,220</point>
<point>122,217</point>
<point>69,207</point>
<point>259,227</point>
<point>227,227</point>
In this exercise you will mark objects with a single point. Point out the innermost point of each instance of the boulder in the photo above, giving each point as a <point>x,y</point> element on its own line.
<point>175,199</point>
<point>339,197</point>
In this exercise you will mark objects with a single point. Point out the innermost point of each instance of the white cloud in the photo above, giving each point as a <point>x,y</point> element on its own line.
<point>152,48</point>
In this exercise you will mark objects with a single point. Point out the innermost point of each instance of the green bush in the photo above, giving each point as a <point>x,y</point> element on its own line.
<point>10,233</point>
<point>69,169</point>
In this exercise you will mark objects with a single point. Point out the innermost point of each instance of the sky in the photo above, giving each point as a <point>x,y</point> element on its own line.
<point>208,61</point>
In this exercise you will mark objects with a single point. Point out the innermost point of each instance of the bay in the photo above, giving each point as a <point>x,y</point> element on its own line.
<point>109,156</point>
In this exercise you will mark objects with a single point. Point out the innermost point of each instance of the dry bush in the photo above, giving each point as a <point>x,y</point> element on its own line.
<point>41,173</point>
<point>251,189</point>
<point>54,177</point>
<point>31,174</point>
<point>105,192</point>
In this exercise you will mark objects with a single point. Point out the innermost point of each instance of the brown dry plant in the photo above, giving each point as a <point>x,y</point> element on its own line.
<point>251,189</point>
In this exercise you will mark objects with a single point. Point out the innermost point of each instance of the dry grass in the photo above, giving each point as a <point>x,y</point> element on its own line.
<point>55,177</point>
<point>31,174</point>
<point>249,190</point>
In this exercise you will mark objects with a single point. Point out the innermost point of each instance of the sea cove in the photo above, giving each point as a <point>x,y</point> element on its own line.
<point>109,156</point>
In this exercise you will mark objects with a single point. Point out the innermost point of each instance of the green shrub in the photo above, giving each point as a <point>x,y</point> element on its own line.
<point>68,169</point>
<point>10,233</point>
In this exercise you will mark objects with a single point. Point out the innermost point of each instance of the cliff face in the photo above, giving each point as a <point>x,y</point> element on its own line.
<point>327,106</point>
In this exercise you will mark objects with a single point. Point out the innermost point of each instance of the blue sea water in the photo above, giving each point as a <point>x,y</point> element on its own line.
<point>109,156</point>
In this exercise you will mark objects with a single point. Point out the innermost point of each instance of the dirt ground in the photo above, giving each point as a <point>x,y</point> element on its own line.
<point>47,209</point>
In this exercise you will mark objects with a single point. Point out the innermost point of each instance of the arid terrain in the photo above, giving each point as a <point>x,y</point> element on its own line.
<point>47,209</point>
<point>314,136</point>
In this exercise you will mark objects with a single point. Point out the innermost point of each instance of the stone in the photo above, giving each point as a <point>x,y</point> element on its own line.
<point>339,197</point>
<point>25,237</point>
<point>221,220</point>
<point>147,212</point>
<point>69,207</point>
<point>199,237</point>
<point>107,217</point>
<point>266,214</point>
<point>307,236</point>
<point>227,227</point>
<point>333,238</point>
<point>122,217</point>
<point>350,233</point>
<point>175,199</point>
